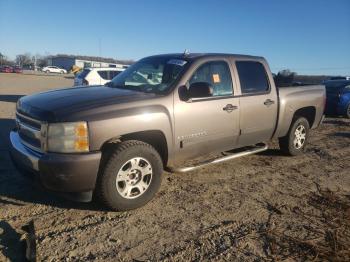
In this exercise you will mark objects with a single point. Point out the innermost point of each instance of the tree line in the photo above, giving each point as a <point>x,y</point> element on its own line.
<point>24,60</point>
<point>29,60</point>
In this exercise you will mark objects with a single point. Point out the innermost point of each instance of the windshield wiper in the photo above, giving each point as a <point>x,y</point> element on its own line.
<point>135,88</point>
<point>140,88</point>
<point>125,87</point>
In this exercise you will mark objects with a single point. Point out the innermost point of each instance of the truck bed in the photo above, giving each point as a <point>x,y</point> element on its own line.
<point>291,98</point>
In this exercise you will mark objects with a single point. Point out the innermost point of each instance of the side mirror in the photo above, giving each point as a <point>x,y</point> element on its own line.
<point>200,89</point>
<point>183,93</point>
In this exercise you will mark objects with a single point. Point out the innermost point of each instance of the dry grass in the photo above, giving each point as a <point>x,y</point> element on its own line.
<point>328,221</point>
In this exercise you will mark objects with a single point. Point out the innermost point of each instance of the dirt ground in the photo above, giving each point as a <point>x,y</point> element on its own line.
<point>258,208</point>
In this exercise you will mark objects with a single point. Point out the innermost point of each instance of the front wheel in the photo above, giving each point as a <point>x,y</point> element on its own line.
<point>131,176</point>
<point>294,142</point>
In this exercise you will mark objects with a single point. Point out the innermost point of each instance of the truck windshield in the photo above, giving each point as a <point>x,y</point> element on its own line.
<point>153,74</point>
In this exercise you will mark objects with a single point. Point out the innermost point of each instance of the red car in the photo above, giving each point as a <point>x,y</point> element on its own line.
<point>7,69</point>
<point>17,69</point>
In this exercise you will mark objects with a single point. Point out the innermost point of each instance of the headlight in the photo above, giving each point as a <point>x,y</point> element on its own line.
<point>68,137</point>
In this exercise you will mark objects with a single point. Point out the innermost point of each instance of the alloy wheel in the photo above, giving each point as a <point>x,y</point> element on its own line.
<point>134,178</point>
<point>300,137</point>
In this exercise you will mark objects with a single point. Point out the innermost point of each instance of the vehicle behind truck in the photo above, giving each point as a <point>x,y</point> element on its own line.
<point>338,97</point>
<point>165,112</point>
<point>96,76</point>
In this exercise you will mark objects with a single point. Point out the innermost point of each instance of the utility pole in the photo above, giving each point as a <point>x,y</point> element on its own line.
<point>99,50</point>
<point>34,62</point>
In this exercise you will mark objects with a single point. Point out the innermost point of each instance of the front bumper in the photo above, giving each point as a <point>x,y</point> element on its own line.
<point>74,174</point>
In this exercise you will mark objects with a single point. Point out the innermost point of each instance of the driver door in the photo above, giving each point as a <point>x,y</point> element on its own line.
<point>208,124</point>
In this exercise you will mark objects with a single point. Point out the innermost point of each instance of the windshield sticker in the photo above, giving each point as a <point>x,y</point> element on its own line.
<point>216,78</point>
<point>177,62</point>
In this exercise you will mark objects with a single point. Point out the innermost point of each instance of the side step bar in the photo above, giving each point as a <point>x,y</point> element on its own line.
<point>249,151</point>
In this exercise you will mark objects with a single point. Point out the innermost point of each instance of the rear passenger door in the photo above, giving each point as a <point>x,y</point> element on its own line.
<point>258,103</point>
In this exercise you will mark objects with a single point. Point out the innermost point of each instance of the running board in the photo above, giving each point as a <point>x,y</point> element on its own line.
<point>250,151</point>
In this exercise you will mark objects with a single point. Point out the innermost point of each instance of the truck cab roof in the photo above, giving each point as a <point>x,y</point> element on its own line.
<point>194,56</point>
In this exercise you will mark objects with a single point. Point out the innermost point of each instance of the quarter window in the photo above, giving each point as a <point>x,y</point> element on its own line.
<point>112,74</point>
<point>217,74</point>
<point>103,74</point>
<point>253,77</point>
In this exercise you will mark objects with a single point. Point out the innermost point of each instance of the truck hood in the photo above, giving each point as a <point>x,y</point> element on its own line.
<point>57,104</point>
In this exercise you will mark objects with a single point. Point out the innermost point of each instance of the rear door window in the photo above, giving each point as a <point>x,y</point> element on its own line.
<point>253,77</point>
<point>113,74</point>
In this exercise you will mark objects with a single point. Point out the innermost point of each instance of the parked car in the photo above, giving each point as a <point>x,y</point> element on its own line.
<point>54,69</point>
<point>338,97</point>
<point>6,69</point>
<point>96,76</point>
<point>114,141</point>
<point>17,69</point>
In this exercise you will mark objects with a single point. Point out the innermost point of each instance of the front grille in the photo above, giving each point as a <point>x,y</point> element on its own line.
<point>29,131</point>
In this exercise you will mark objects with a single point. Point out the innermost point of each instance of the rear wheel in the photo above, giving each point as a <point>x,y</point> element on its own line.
<point>47,71</point>
<point>131,176</point>
<point>295,141</point>
<point>348,111</point>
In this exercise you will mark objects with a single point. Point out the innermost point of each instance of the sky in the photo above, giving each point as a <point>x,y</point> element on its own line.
<point>306,36</point>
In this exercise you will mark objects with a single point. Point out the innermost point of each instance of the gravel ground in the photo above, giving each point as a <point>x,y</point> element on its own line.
<point>258,208</point>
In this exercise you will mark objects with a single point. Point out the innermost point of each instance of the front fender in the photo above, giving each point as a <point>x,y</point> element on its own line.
<point>131,120</point>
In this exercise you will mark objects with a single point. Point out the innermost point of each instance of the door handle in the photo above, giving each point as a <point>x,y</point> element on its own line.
<point>229,108</point>
<point>269,102</point>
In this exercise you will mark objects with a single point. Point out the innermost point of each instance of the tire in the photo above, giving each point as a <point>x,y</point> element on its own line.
<point>62,72</point>
<point>348,111</point>
<point>295,141</point>
<point>47,71</point>
<point>130,176</point>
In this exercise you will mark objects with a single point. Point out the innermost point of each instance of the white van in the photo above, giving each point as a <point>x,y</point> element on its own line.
<point>96,76</point>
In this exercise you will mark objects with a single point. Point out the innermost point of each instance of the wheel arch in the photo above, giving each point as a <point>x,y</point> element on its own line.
<point>308,112</point>
<point>155,138</point>
<point>289,117</point>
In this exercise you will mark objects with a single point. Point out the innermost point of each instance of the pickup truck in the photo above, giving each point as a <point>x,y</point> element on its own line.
<point>165,111</point>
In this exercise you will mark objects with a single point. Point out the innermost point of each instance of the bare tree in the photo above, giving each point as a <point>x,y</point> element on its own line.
<point>285,78</point>
<point>1,58</point>
<point>41,60</point>
<point>4,60</point>
<point>24,59</point>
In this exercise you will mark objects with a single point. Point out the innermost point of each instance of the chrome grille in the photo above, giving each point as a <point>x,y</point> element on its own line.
<point>29,131</point>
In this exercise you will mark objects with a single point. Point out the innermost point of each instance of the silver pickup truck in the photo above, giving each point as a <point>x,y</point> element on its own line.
<point>115,141</point>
